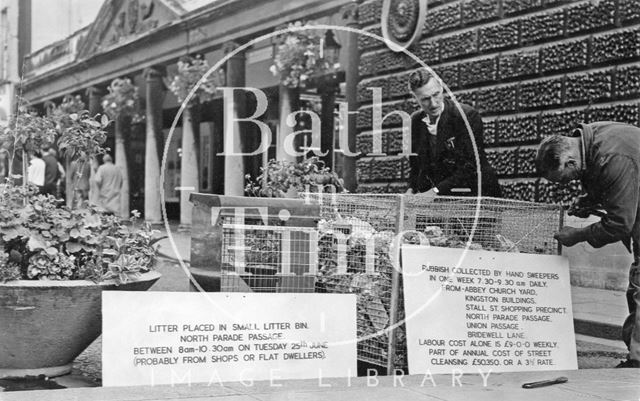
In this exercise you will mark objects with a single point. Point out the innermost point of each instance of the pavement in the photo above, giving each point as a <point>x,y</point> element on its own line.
<point>589,384</point>
<point>598,314</point>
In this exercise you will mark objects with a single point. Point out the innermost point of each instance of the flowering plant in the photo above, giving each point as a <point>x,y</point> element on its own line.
<point>28,131</point>
<point>190,71</point>
<point>122,99</point>
<point>42,239</point>
<point>298,57</point>
<point>280,176</point>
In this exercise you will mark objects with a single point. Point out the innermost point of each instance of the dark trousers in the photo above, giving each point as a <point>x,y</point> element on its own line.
<point>49,189</point>
<point>631,326</point>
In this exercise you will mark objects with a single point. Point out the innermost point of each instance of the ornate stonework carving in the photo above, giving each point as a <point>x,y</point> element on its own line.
<point>402,22</point>
<point>133,19</point>
<point>132,14</point>
<point>350,14</point>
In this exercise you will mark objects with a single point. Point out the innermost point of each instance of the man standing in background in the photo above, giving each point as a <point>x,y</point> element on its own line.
<point>35,172</point>
<point>51,171</point>
<point>109,182</point>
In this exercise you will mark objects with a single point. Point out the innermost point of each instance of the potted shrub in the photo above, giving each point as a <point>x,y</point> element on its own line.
<point>282,178</point>
<point>55,262</point>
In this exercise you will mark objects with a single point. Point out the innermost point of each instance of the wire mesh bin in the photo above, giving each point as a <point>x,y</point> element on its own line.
<point>356,233</point>
<point>348,249</point>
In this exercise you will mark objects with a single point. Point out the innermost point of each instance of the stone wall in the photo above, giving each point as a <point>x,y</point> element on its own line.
<point>532,67</point>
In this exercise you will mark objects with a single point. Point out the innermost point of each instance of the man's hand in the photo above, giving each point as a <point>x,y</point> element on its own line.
<point>429,194</point>
<point>569,236</point>
<point>582,207</point>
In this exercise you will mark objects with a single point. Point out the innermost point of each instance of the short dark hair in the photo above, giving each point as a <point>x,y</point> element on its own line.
<point>549,153</point>
<point>419,78</point>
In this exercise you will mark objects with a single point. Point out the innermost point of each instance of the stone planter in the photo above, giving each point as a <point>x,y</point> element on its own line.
<point>45,325</point>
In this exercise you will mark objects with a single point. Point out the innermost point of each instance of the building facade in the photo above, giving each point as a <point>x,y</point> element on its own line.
<point>143,40</point>
<point>532,67</point>
<point>14,45</point>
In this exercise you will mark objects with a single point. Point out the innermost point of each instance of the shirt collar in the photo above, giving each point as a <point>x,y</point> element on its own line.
<point>431,128</point>
<point>427,119</point>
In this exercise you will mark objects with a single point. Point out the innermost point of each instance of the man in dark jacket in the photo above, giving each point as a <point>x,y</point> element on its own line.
<point>605,157</point>
<point>445,163</point>
<point>51,172</point>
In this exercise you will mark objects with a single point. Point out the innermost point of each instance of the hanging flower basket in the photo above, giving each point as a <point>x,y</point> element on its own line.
<point>298,57</point>
<point>190,72</point>
<point>122,99</point>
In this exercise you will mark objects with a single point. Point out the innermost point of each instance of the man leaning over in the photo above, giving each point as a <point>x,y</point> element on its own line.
<point>605,157</point>
<point>445,160</point>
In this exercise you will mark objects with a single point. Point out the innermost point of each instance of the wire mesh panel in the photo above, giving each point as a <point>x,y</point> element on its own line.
<point>487,223</point>
<point>356,232</point>
<point>258,258</point>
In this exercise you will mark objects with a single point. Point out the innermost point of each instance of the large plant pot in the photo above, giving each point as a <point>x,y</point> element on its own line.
<point>45,325</point>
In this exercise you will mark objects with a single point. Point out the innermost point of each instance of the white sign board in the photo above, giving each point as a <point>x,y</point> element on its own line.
<point>475,311</point>
<point>181,338</point>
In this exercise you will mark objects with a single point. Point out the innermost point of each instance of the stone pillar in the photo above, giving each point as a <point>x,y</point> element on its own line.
<point>289,99</point>
<point>234,165</point>
<point>123,123</point>
<point>327,87</point>
<point>352,77</point>
<point>154,93</point>
<point>189,171</point>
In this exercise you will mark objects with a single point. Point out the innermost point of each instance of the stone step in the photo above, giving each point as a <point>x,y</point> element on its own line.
<point>605,268</point>
<point>599,313</point>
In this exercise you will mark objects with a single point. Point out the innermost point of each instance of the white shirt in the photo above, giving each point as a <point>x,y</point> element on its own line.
<point>36,171</point>
<point>432,128</point>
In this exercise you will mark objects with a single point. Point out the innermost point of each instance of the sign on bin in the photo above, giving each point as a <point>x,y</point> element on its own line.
<point>182,338</point>
<point>480,311</point>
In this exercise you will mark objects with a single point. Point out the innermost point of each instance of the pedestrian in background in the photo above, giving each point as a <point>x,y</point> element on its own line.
<point>60,184</point>
<point>109,182</point>
<point>51,171</point>
<point>36,170</point>
<point>4,165</point>
<point>605,157</point>
<point>94,190</point>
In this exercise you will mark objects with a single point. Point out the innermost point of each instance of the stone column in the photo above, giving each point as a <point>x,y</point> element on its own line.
<point>189,171</point>
<point>288,102</point>
<point>352,77</point>
<point>123,123</point>
<point>234,165</point>
<point>327,87</point>
<point>154,93</point>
